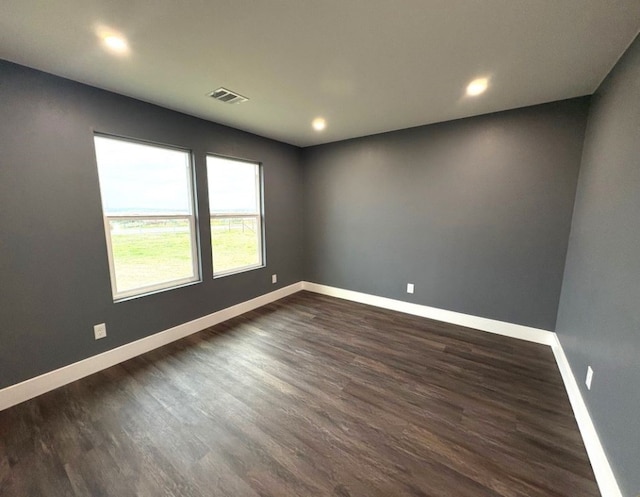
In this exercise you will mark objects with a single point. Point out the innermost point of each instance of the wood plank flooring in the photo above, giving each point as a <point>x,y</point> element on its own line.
<point>308,396</point>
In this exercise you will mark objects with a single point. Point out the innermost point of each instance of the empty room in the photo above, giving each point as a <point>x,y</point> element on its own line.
<point>293,248</point>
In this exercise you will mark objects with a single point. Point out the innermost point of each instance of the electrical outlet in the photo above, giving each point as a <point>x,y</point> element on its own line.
<point>589,377</point>
<point>274,278</point>
<point>410,287</point>
<point>100,331</point>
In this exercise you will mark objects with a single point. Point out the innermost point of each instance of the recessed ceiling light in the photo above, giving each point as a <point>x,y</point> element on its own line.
<point>319,124</point>
<point>115,43</point>
<point>477,86</point>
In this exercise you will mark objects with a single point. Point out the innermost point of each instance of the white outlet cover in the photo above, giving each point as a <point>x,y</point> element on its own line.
<point>589,377</point>
<point>410,287</point>
<point>274,278</point>
<point>100,331</point>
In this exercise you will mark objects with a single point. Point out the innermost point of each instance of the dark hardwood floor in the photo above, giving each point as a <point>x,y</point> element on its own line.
<point>308,396</point>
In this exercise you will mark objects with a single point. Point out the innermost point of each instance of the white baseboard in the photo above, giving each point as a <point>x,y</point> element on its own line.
<point>33,387</point>
<point>602,469</point>
<point>599,462</point>
<point>490,325</point>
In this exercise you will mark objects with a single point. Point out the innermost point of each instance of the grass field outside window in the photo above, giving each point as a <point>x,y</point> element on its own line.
<point>146,250</point>
<point>235,243</point>
<point>150,252</point>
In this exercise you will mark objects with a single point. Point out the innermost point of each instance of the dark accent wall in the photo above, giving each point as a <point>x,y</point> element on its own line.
<point>475,212</point>
<point>54,274</point>
<point>599,315</point>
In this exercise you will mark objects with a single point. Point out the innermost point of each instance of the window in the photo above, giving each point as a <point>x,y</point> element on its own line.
<point>147,203</point>
<point>236,215</point>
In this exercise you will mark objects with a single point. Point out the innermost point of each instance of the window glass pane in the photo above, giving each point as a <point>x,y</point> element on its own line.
<point>233,186</point>
<point>147,201</point>
<point>150,252</point>
<point>236,210</point>
<point>235,242</point>
<point>136,178</point>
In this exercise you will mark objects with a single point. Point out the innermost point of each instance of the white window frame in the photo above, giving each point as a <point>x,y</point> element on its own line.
<point>190,218</point>
<point>258,216</point>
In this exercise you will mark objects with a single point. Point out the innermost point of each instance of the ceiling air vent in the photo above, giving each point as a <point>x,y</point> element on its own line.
<point>227,96</point>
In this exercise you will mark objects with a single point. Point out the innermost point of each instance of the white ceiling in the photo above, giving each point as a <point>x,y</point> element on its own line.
<point>367,66</point>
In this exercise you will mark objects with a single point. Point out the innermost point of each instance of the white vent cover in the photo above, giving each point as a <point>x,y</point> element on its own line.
<point>227,96</point>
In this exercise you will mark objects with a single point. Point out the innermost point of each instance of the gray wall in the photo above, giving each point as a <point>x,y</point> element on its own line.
<point>476,212</point>
<point>599,316</point>
<point>54,274</point>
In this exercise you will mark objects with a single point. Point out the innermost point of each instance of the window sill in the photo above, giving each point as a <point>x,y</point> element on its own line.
<point>154,291</point>
<point>231,272</point>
